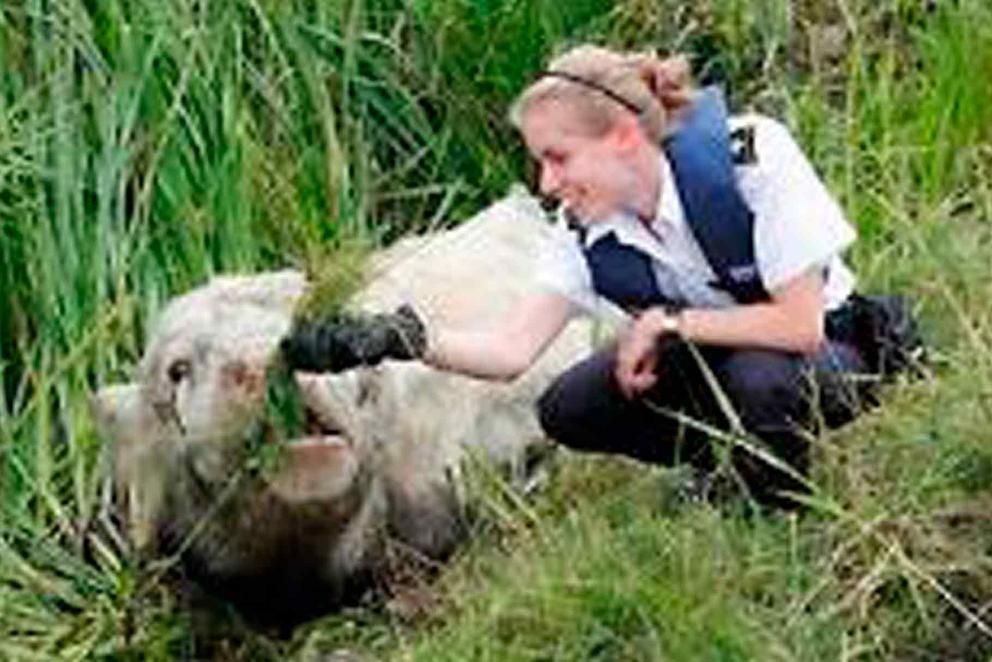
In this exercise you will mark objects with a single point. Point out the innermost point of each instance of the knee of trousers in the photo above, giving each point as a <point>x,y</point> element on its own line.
<point>766,388</point>
<point>549,410</point>
<point>576,406</point>
<point>562,415</point>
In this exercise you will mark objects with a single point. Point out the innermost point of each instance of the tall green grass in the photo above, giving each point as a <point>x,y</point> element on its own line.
<point>147,145</point>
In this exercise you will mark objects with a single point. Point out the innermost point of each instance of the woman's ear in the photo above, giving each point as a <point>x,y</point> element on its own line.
<point>627,134</point>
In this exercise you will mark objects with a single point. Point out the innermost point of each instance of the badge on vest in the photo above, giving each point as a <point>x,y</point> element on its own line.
<point>742,146</point>
<point>743,273</point>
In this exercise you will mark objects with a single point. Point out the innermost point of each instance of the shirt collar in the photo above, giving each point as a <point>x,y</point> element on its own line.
<point>669,208</point>
<point>615,223</point>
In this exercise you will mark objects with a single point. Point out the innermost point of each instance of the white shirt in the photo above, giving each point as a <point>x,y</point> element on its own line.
<point>797,226</point>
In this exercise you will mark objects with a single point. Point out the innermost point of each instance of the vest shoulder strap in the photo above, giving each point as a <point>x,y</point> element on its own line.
<point>624,275</point>
<point>700,156</point>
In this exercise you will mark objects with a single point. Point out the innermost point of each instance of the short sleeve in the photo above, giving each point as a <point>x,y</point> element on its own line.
<point>562,269</point>
<point>798,223</point>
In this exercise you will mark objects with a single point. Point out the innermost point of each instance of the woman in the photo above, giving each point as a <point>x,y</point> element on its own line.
<point>726,252</point>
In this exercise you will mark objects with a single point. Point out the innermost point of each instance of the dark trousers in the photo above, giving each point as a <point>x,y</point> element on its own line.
<point>779,398</point>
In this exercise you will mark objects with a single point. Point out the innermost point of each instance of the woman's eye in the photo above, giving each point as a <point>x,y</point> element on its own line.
<point>179,370</point>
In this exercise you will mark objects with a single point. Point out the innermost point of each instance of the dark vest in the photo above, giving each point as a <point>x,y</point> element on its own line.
<point>703,169</point>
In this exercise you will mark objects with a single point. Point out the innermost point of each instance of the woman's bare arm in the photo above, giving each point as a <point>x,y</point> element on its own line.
<point>507,349</point>
<point>791,321</point>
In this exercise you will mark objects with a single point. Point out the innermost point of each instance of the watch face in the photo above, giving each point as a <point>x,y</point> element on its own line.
<point>670,324</point>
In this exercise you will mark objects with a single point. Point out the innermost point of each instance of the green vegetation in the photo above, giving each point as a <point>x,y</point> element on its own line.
<point>146,145</point>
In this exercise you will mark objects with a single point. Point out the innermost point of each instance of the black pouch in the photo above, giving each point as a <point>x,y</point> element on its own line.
<point>884,330</point>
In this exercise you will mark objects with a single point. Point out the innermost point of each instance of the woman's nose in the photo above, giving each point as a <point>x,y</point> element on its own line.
<point>550,179</point>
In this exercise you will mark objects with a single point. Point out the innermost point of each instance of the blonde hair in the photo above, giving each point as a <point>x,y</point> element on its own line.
<point>596,81</point>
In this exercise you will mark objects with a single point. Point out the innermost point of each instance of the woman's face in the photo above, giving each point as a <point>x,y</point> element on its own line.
<point>590,175</point>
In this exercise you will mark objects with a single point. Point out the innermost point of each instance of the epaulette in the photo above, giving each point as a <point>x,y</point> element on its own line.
<point>742,150</point>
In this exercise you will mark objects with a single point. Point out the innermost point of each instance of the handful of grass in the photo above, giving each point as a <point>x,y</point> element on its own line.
<point>334,276</point>
<point>283,418</point>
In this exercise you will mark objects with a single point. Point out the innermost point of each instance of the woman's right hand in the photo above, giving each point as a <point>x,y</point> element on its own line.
<point>637,357</point>
<point>637,351</point>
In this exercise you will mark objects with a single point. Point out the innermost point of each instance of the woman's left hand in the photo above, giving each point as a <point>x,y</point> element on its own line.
<point>637,355</point>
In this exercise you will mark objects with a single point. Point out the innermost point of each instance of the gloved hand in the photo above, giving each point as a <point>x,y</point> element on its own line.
<point>342,341</point>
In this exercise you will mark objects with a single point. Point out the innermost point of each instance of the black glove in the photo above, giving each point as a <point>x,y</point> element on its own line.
<point>342,341</point>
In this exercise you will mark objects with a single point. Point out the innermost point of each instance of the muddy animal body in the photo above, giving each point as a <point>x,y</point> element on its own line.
<point>378,470</point>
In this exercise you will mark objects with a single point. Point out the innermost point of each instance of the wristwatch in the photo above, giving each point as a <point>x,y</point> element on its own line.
<point>671,324</point>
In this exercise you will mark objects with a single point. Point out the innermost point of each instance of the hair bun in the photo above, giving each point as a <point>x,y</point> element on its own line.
<point>669,80</point>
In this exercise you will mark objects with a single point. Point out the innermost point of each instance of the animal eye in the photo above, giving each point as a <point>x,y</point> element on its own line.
<point>179,370</point>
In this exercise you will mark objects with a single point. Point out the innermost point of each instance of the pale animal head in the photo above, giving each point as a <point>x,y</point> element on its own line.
<point>198,399</point>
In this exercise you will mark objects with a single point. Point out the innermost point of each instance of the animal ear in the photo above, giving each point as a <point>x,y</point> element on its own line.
<point>278,290</point>
<point>126,420</point>
<point>121,414</point>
